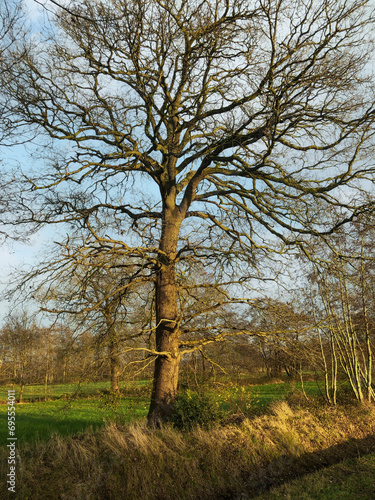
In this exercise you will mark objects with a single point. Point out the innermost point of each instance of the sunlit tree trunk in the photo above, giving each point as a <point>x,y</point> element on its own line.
<point>46,379</point>
<point>167,332</point>
<point>20,399</point>
<point>114,366</point>
<point>368,368</point>
<point>113,347</point>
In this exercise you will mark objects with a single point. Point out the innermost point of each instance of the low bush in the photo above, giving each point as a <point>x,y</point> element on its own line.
<point>192,408</point>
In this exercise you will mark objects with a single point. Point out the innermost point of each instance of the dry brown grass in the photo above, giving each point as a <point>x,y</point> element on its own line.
<point>135,462</point>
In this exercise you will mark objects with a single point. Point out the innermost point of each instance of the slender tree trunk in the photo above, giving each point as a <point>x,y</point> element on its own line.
<point>326,374</point>
<point>46,379</point>
<point>165,382</point>
<point>115,366</point>
<point>334,371</point>
<point>370,391</point>
<point>20,399</point>
<point>113,345</point>
<point>302,384</point>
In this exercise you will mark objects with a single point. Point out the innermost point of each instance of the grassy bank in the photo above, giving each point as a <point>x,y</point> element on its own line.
<point>135,462</point>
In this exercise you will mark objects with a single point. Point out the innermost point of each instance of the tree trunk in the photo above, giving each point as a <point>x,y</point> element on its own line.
<point>113,344</point>
<point>164,389</point>
<point>20,399</point>
<point>115,366</point>
<point>46,379</point>
<point>165,382</point>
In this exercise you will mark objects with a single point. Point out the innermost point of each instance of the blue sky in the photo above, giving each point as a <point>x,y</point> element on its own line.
<point>15,255</point>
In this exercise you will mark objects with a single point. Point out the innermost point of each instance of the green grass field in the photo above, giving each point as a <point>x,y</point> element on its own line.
<point>41,420</point>
<point>61,391</point>
<point>258,397</point>
<point>73,408</point>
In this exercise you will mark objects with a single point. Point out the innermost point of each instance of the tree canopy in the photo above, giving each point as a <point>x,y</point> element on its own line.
<point>185,131</point>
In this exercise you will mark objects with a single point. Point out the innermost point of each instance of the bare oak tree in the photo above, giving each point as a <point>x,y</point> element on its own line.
<point>96,295</point>
<point>199,130</point>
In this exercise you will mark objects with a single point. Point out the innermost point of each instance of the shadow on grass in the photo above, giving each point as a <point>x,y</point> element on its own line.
<point>31,428</point>
<point>38,421</point>
<point>287,468</point>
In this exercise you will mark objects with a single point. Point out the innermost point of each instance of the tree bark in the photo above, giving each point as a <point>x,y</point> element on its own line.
<point>115,366</point>
<point>46,379</point>
<point>113,346</point>
<point>165,382</point>
<point>20,399</point>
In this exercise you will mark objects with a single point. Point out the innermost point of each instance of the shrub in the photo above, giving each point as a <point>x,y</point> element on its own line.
<point>193,408</point>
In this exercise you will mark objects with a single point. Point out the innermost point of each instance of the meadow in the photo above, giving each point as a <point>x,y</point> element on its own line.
<point>71,408</point>
<point>271,441</point>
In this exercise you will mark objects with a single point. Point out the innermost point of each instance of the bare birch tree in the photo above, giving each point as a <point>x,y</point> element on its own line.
<point>343,304</point>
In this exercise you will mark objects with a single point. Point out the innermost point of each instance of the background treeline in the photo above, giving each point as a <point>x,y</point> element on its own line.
<point>326,331</point>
